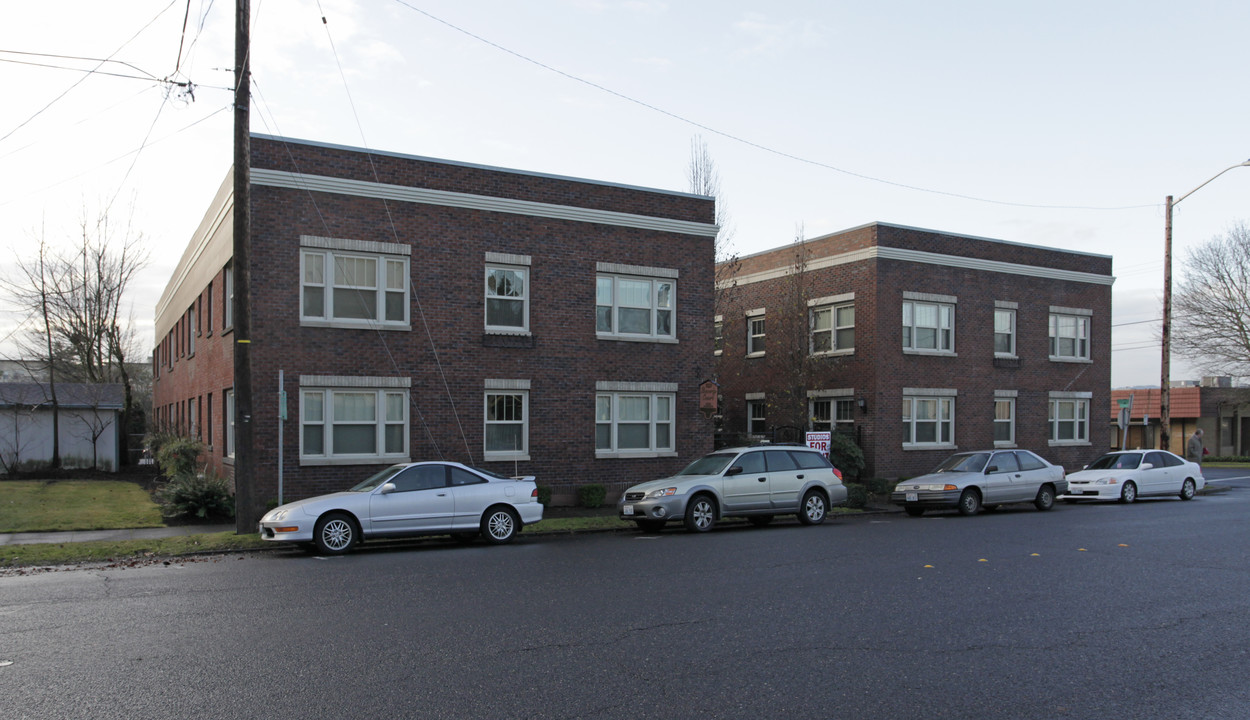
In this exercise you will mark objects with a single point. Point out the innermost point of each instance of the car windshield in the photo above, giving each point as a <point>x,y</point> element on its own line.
<point>378,478</point>
<point>708,464</point>
<point>970,462</point>
<point>1116,461</point>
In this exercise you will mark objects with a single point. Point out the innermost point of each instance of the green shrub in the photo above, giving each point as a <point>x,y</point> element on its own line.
<point>196,495</point>
<point>591,496</point>
<point>1226,458</point>
<point>177,456</point>
<point>544,495</point>
<point>856,495</point>
<point>846,456</point>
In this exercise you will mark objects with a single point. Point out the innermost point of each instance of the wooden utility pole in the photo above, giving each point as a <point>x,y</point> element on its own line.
<point>246,512</point>
<point>1165,376</point>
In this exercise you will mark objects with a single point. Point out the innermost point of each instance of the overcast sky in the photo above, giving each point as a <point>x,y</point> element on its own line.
<point>1062,123</point>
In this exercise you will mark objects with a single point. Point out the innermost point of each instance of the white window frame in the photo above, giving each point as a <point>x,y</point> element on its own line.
<point>839,419</point>
<point>753,317</point>
<point>718,335</point>
<point>608,417</point>
<point>757,411</point>
<point>193,417</point>
<point>835,348</point>
<point>944,418</point>
<point>229,399</point>
<point>382,419</point>
<point>1080,335</point>
<point>1079,403</point>
<point>1010,315</point>
<point>384,285</point>
<point>1008,403</point>
<point>191,331</point>
<point>518,389</point>
<point>656,310</point>
<point>523,298</point>
<point>228,314</point>
<point>944,331</point>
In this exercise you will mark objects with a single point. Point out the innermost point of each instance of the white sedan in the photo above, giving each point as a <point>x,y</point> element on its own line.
<point>424,498</point>
<point>1130,474</point>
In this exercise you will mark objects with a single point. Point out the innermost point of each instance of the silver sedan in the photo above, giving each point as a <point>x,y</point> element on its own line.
<point>424,498</point>
<point>972,480</point>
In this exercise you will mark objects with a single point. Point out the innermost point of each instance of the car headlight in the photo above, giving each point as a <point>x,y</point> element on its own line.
<point>277,516</point>
<point>666,492</point>
<point>1106,481</point>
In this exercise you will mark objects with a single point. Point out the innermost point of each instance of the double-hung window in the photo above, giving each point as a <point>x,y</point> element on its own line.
<point>928,326</point>
<point>229,418</point>
<point>353,283</point>
<point>636,307</point>
<point>928,421</point>
<point>832,414</point>
<point>227,315</point>
<point>633,422</point>
<point>757,416</point>
<point>718,335</point>
<point>1069,334</point>
<point>353,420</point>
<point>1004,332</point>
<point>833,328</point>
<point>506,420</point>
<point>1069,419</point>
<point>507,298</point>
<point>755,333</point>
<point>1004,420</point>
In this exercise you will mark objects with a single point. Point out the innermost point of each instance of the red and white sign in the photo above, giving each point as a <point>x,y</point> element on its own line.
<point>819,441</point>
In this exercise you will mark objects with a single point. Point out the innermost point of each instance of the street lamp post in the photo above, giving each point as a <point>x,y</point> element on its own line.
<point>1165,380</point>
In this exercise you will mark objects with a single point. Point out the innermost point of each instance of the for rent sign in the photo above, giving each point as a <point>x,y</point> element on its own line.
<point>819,441</point>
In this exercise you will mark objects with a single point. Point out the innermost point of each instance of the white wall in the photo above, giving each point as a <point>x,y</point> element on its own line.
<point>30,435</point>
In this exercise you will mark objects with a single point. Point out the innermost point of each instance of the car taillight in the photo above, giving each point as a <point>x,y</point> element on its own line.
<point>837,473</point>
<point>535,493</point>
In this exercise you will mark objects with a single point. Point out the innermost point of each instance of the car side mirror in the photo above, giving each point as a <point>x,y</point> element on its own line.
<point>735,470</point>
<point>387,488</point>
<point>991,469</point>
<point>1146,466</point>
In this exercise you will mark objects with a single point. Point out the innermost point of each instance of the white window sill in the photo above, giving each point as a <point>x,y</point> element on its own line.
<point>1068,443</point>
<point>508,331</point>
<point>1004,444</point>
<point>834,353</point>
<point>1065,359</point>
<point>935,353</point>
<point>354,324</point>
<point>1006,356</point>
<point>505,456</point>
<point>636,338</point>
<point>631,454</point>
<point>355,460</point>
<point>759,354</point>
<point>930,446</point>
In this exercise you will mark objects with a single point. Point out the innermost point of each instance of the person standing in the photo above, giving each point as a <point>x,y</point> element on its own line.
<point>1193,449</point>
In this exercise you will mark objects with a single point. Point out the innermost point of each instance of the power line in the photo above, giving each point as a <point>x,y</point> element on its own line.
<point>752,143</point>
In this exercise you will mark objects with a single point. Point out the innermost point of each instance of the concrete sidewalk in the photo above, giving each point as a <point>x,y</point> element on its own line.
<point>32,538</point>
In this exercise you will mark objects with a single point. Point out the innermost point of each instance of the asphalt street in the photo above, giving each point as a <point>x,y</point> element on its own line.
<point>1086,611</point>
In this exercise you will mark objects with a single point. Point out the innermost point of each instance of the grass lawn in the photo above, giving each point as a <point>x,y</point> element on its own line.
<point>45,506</point>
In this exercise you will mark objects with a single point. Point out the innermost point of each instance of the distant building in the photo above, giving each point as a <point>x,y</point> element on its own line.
<point>426,309</point>
<point>917,343</point>
<point>1215,405</point>
<point>89,421</point>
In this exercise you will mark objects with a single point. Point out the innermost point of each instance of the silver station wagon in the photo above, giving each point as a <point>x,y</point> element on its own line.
<point>753,482</point>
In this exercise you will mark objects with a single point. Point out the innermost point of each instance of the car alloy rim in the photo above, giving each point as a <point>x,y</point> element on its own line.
<point>815,508</point>
<point>501,525</point>
<point>1188,489</point>
<point>702,514</point>
<point>337,534</point>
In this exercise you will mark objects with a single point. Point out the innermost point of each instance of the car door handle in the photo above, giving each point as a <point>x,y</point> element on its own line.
<point>442,494</point>
<point>763,479</point>
<point>800,477</point>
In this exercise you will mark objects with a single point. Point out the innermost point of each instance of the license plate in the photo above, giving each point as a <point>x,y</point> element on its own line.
<point>627,510</point>
<point>913,497</point>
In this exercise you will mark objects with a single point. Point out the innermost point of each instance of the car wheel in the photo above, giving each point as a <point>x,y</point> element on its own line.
<point>1045,499</point>
<point>335,534</point>
<point>914,511</point>
<point>465,537</point>
<point>969,502</point>
<point>760,520</point>
<point>813,510</point>
<point>499,525</point>
<point>1187,490</point>
<point>650,525</point>
<point>700,514</point>
<point>1128,493</point>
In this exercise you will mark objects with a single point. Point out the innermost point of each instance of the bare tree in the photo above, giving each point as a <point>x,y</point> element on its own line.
<point>1211,306</point>
<point>12,443</point>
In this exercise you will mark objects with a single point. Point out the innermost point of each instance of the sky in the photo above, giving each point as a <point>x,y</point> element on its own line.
<point>1063,124</point>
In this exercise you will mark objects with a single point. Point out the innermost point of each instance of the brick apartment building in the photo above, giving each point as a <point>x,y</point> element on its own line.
<point>917,343</point>
<point>425,309</point>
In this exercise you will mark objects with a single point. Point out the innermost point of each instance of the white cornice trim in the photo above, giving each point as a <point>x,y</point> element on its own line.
<point>424,196</point>
<point>919,256</point>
